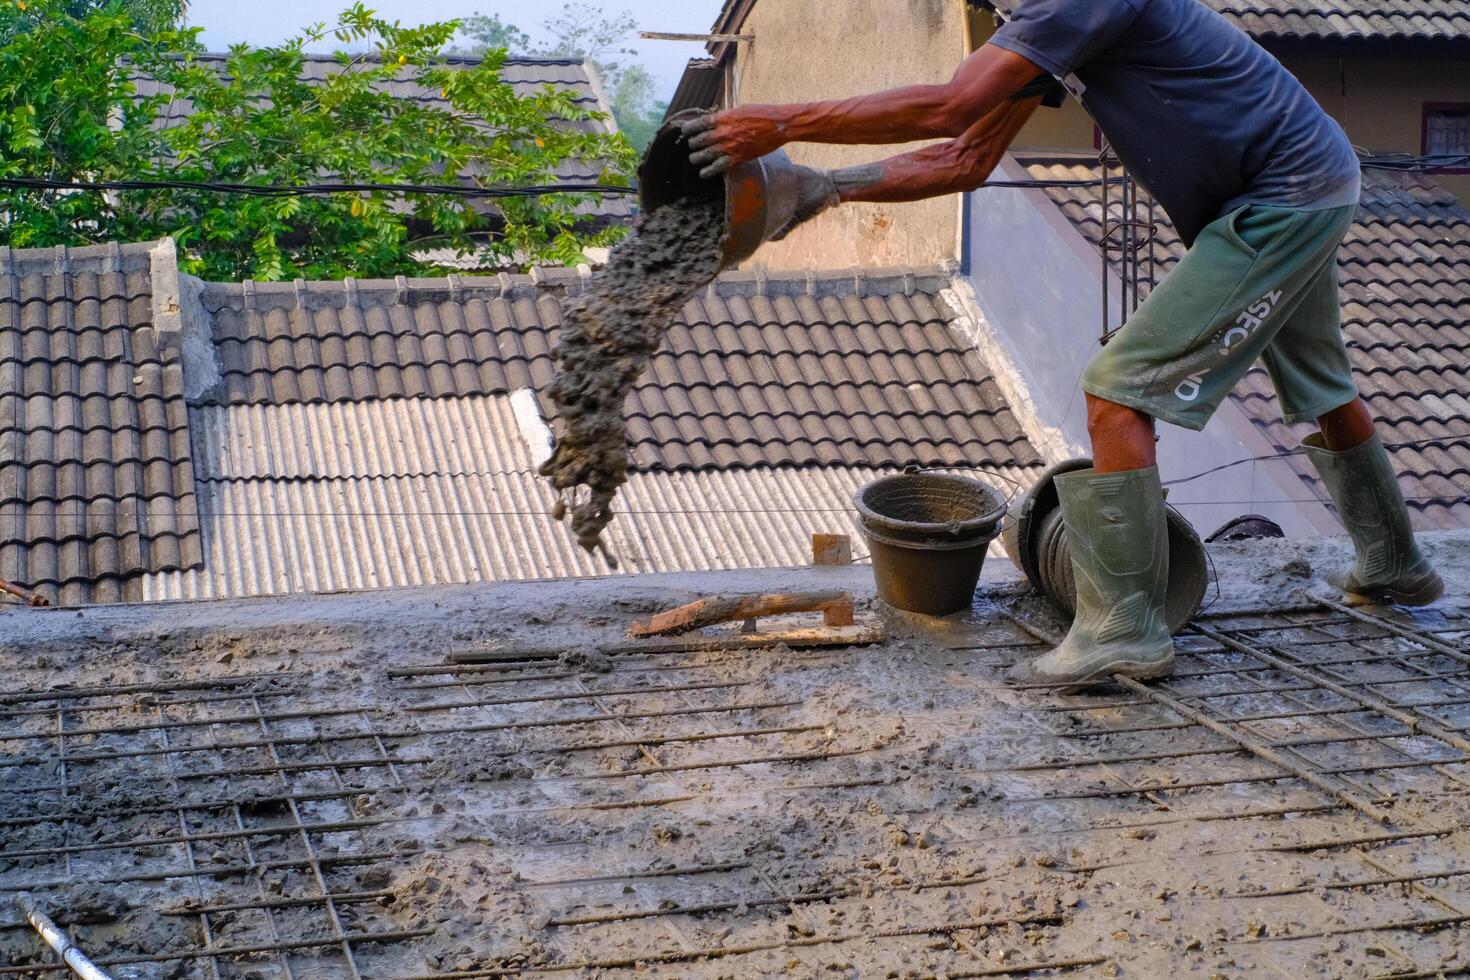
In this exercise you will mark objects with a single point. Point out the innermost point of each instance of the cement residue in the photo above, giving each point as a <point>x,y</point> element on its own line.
<point>471,901</point>
<point>891,787</point>
<point>606,341</point>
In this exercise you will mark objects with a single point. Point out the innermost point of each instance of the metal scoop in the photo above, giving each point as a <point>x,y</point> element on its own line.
<point>760,195</point>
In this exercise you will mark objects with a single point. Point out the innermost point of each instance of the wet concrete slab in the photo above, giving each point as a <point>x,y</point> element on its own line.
<point>313,789</point>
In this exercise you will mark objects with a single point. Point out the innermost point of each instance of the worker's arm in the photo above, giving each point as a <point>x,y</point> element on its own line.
<point>942,168</point>
<point>983,81</point>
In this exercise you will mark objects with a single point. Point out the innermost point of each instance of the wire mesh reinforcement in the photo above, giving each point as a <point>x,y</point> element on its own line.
<point>267,825</point>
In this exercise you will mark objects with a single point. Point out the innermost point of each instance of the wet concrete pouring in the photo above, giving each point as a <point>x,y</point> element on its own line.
<point>311,788</point>
<point>609,335</point>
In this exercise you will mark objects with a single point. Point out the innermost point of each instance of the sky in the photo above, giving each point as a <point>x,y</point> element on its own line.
<point>228,22</point>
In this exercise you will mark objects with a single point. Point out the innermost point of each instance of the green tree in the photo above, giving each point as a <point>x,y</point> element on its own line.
<point>638,114</point>
<point>144,15</point>
<point>487,32</point>
<point>70,109</point>
<point>580,31</point>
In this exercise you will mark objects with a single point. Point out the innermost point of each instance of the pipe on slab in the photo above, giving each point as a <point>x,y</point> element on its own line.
<point>58,940</point>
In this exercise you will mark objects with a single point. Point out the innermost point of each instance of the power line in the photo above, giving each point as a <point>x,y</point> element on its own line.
<point>307,190</point>
<point>1452,437</point>
<point>1394,162</point>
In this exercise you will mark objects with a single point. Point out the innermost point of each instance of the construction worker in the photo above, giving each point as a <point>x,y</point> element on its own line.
<point>1261,185</point>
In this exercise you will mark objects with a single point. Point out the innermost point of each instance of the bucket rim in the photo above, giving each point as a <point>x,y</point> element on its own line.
<point>971,527</point>
<point>982,540</point>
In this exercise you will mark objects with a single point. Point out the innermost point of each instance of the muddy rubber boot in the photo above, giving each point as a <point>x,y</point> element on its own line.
<point>1120,556</point>
<point>1362,484</point>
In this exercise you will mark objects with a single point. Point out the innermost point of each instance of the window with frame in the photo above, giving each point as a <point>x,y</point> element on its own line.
<point>1447,131</point>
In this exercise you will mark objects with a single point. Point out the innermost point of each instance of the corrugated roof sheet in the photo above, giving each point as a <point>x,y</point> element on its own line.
<point>700,86</point>
<point>834,369</point>
<point>96,483</point>
<point>525,76</point>
<point>1405,277</point>
<point>378,493</point>
<point>1380,20</point>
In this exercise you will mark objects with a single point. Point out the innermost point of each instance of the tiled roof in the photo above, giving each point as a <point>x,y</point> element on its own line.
<point>96,484</point>
<point>1350,19</point>
<point>525,75</point>
<point>1379,20</point>
<point>369,434</point>
<point>1405,279</point>
<point>836,369</point>
<point>421,491</point>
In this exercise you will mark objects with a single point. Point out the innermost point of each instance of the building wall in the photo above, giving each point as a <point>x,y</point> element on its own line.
<point>1378,101</point>
<point>806,50</point>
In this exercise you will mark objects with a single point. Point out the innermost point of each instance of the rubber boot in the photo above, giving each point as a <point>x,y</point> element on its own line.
<point>1366,492</point>
<point>1120,558</point>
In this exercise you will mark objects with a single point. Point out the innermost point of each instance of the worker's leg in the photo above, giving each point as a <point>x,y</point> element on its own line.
<point>1120,558</point>
<point>1347,426</point>
<point>1310,368</point>
<point>1176,359</point>
<point>1122,437</point>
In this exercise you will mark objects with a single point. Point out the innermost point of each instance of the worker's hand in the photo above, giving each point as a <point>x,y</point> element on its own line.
<point>720,140</point>
<point>816,191</point>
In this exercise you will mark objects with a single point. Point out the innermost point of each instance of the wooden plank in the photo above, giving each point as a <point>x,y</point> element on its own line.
<point>836,609</point>
<point>716,38</point>
<point>864,632</point>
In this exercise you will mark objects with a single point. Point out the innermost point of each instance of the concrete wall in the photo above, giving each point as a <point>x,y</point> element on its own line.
<point>806,50</point>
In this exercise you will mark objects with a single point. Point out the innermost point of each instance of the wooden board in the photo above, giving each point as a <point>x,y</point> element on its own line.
<point>865,631</point>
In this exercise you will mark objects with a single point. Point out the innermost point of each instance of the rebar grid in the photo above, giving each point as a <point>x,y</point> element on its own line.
<point>1350,695</point>
<point>646,906</point>
<point>1308,697</point>
<point>176,855</point>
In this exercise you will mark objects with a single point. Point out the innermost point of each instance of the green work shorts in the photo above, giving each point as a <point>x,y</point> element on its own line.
<point>1259,282</point>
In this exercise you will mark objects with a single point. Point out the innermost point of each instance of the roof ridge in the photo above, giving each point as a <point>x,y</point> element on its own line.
<point>324,56</point>
<point>57,259</point>
<point>456,287</point>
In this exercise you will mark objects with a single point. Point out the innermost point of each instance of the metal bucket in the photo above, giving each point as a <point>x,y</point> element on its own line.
<point>1037,542</point>
<point>759,195</point>
<point>927,534</point>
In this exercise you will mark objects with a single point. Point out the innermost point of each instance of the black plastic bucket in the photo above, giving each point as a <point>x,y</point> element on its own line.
<point>760,195</point>
<point>927,534</point>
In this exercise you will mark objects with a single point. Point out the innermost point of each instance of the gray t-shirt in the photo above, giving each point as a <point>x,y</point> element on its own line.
<point>1203,116</point>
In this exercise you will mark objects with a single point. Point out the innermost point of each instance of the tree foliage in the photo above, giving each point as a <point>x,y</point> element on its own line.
<point>71,108</point>
<point>638,113</point>
<point>484,32</point>
<point>144,15</point>
<point>580,30</point>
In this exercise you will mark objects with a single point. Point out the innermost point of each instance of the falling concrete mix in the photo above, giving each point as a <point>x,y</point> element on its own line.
<point>606,341</point>
<point>183,776</point>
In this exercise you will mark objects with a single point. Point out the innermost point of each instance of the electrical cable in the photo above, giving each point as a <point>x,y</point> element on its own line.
<point>305,190</point>
<point>1396,162</point>
<point>1449,438</point>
